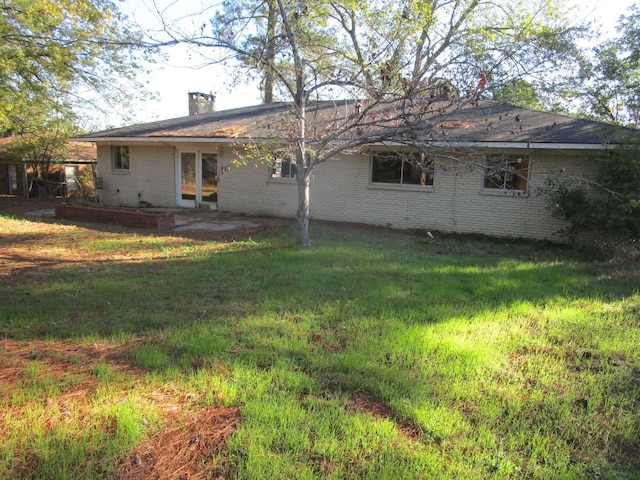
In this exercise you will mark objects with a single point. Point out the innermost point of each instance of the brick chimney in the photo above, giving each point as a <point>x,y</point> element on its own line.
<point>200,103</point>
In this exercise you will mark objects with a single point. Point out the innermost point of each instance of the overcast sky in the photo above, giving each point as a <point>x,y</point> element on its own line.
<point>171,81</point>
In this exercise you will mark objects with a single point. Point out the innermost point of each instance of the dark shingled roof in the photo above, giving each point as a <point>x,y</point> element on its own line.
<point>232,123</point>
<point>482,121</point>
<point>78,152</point>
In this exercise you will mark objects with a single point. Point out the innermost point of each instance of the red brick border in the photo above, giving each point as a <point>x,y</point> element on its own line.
<point>119,216</point>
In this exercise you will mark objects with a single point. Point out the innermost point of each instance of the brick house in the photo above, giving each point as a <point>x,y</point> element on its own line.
<point>477,170</point>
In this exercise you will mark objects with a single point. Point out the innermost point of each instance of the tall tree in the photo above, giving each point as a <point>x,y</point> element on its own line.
<point>269,77</point>
<point>391,57</point>
<point>604,209</point>
<point>52,52</point>
<point>613,76</point>
<point>517,92</point>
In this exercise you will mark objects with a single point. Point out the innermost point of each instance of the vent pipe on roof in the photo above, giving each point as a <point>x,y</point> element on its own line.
<point>200,103</point>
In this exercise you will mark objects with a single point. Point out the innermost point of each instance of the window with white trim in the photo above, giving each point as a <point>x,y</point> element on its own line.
<point>120,157</point>
<point>401,168</point>
<point>506,172</point>
<point>283,167</point>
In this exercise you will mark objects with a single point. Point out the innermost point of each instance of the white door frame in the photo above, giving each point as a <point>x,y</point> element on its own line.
<point>197,200</point>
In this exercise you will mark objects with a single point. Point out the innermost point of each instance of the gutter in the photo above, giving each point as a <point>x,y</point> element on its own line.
<point>501,145</point>
<point>153,140</point>
<point>516,145</point>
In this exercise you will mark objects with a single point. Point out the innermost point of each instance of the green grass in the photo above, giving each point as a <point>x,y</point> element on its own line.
<point>506,359</point>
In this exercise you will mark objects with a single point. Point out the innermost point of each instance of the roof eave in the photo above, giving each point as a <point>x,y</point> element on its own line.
<point>515,145</point>
<point>163,139</point>
<point>447,144</point>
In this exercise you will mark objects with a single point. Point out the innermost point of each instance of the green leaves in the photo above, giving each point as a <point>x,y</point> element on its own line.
<point>48,49</point>
<point>613,75</point>
<point>605,208</point>
<point>517,92</point>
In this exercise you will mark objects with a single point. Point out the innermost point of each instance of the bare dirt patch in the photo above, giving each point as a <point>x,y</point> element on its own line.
<point>18,206</point>
<point>59,357</point>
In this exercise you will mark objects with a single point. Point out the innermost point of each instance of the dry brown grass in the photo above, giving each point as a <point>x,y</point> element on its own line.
<point>186,443</point>
<point>188,450</point>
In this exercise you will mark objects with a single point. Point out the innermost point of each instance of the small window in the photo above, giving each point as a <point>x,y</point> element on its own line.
<point>402,168</point>
<point>506,172</point>
<point>283,168</point>
<point>120,157</point>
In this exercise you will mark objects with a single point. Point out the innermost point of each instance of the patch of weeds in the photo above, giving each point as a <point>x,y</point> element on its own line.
<point>105,373</point>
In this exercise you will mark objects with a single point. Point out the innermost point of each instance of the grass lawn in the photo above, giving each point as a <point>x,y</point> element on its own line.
<point>372,354</point>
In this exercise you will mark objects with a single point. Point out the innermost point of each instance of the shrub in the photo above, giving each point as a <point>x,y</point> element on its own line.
<point>604,210</point>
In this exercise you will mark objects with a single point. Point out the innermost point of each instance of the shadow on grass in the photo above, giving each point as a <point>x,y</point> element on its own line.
<point>401,278</point>
<point>353,315</point>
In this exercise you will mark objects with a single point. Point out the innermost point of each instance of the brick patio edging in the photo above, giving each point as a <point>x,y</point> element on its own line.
<point>119,216</point>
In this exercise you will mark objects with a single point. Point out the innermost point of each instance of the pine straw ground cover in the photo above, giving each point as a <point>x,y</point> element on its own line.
<point>181,444</point>
<point>182,440</point>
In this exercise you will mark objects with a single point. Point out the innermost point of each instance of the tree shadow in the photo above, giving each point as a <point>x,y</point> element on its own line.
<point>305,309</point>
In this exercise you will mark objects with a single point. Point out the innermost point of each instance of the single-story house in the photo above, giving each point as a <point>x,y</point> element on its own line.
<point>482,164</point>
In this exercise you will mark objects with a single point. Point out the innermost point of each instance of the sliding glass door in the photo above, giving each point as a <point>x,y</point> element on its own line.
<point>198,174</point>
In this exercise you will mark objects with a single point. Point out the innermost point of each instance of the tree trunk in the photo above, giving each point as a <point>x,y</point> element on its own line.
<point>303,169</point>
<point>269,81</point>
<point>303,208</point>
<point>303,166</point>
<point>44,179</point>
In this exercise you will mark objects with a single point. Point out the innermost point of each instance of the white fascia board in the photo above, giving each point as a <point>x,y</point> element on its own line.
<point>498,145</point>
<point>156,140</point>
<point>506,145</point>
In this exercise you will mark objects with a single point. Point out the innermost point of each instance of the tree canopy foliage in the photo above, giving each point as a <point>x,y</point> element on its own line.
<point>57,56</point>
<point>517,92</point>
<point>52,52</point>
<point>612,76</point>
<point>399,46</point>
<point>606,206</point>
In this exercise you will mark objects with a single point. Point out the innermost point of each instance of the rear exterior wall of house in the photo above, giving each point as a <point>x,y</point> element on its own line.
<point>150,177</point>
<point>457,202</point>
<point>342,190</point>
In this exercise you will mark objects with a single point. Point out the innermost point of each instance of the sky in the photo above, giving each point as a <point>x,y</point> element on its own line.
<point>170,81</point>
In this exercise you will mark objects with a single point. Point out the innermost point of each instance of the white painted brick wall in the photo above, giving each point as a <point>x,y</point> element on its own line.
<point>151,177</point>
<point>248,189</point>
<point>341,191</point>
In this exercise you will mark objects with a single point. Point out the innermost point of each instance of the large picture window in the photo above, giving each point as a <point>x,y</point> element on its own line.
<point>506,172</point>
<point>401,168</point>
<point>120,157</point>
